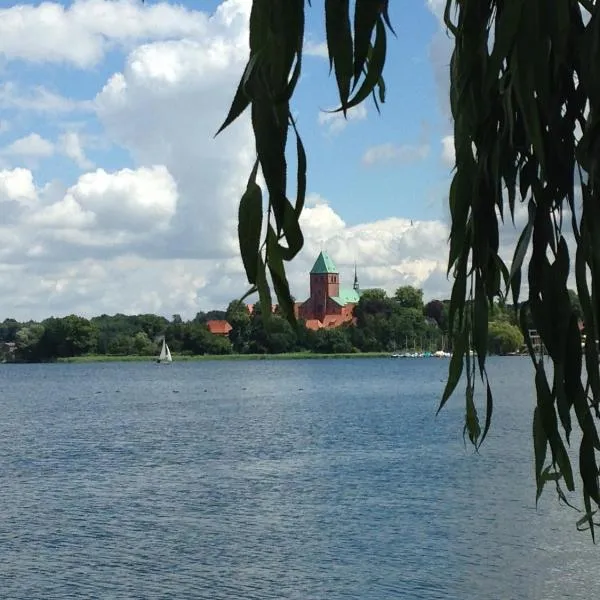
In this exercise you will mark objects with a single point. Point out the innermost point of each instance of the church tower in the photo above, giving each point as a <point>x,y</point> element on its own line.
<point>324,284</point>
<point>355,286</point>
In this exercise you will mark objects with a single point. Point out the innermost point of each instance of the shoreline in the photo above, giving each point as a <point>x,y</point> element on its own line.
<point>96,358</point>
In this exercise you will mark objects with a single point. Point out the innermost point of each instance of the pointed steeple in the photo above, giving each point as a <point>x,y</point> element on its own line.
<point>356,287</point>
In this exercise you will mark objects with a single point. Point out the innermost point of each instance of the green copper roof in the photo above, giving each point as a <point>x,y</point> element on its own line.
<point>347,297</point>
<point>323,265</point>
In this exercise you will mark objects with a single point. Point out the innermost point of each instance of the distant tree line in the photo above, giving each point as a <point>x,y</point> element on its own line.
<point>382,323</point>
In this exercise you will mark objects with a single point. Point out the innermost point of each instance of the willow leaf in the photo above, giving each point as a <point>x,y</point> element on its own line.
<point>366,13</point>
<point>250,214</point>
<point>339,44</point>
<point>375,68</point>
<point>540,445</point>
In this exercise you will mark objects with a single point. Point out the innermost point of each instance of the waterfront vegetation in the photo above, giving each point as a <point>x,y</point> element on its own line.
<point>90,358</point>
<point>382,324</point>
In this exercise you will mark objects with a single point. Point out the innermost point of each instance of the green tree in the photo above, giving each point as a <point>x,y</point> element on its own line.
<point>523,97</point>
<point>238,317</point>
<point>66,337</point>
<point>504,338</point>
<point>272,335</point>
<point>143,345</point>
<point>197,339</point>
<point>120,344</point>
<point>332,341</point>
<point>9,329</point>
<point>409,297</point>
<point>27,339</point>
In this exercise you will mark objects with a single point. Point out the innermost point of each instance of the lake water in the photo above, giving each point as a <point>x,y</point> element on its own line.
<point>307,479</point>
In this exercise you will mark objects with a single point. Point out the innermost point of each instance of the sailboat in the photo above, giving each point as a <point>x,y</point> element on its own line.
<point>165,354</point>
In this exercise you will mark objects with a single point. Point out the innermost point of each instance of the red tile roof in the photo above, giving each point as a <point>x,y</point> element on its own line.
<point>219,327</point>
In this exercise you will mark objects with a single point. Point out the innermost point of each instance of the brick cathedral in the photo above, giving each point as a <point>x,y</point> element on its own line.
<point>329,305</point>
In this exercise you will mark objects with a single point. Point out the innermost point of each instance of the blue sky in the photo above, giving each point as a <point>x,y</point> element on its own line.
<point>117,188</point>
<point>411,117</point>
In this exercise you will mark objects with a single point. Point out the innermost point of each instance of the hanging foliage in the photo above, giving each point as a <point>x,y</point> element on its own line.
<point>525,100</point>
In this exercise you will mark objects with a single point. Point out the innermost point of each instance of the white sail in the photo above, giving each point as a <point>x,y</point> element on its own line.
<point>165,353</point>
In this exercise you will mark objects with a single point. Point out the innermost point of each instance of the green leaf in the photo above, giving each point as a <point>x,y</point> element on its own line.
<point>292,231</point>
<point>471,418</point>
<point>488,411</point>
<point>588,517</point>
<point>270,146</point>
<point>523,243</point>
<point>375,69</point>
<point>480,323</point>
<point>456,367</point>
<point>301,186</point>
<point>366,15</point>
<point>507,27</point>
<point>241,100</point>
<point>339,44</point>
<point>548,419</point>
<point>264,292</point>
<point>277,271</point>
<point>589,469</point>
<point>386,16</point>
<point>250,215</point>
<point>540,445</point>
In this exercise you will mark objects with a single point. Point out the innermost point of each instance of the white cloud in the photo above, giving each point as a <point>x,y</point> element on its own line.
<point>83,32</point>
<point>389,253</point>
<point>17,185</point>
<point>129,203</point>
<point>437,7</point>
<point>448,153</point>
<point>316,49</point>
<point>38,99</point>
<point>71,145</point>
<point>143,199</point>
<point>32,146</point>
<point>161,236</point>
<point>392,153</point>
<point>335,122</point>
<point>152,109</point>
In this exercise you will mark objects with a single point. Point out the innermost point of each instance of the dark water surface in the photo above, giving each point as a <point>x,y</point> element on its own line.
<point>288,479</point>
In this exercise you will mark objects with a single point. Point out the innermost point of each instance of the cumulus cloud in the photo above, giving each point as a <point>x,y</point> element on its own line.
<point>17,185</point>
<point>161,235</point>
<point>389,252</point>
<point>92,27</point>
<point>152,108</point>
<point>396,154</point>
<point>30,146</point>
<point>109,210</point>
<point>335,122</point>
<point>174,211</point>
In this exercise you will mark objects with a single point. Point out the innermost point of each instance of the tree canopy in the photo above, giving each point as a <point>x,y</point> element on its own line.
<point>525,105</point>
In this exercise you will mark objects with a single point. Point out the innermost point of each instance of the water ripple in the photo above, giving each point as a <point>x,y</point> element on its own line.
<point>279,490</point>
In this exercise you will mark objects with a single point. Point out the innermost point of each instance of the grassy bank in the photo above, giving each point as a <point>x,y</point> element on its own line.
<point>92,358</point>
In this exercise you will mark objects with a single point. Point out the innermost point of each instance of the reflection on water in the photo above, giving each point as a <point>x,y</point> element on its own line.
<point>300,479</point>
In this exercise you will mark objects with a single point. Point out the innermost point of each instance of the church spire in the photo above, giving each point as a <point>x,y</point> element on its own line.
<point>356,286</point>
